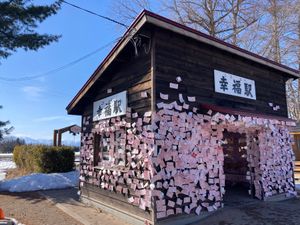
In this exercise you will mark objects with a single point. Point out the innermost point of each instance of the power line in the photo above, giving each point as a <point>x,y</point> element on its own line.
<point>96,14</point>
<point>26,78</point>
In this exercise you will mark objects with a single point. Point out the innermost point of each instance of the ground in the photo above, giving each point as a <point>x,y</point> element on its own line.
<point>257,213</point>
<point>31,208</point>
<point>54,207</point>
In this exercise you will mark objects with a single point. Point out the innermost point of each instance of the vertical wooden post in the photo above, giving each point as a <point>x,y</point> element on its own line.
<point>153,70</point>
<point>59,138</point>
<point>55,138</point>
<point>153,107</point>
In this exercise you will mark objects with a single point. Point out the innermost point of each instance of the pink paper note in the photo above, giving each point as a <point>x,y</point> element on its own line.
<point>161,215</point>
<point>170,212</point>
<point>178,210</point>
<point>191,98</point>
<point>198,210</point>
<point>171,203</point>
<point>144,94</point>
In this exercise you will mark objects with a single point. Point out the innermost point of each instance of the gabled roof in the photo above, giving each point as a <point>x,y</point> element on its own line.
<point>159,21</point>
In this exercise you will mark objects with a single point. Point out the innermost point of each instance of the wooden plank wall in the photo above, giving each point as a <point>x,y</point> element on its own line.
<point>132,74</point>
<point>195,62</point>
<point>114,200</point>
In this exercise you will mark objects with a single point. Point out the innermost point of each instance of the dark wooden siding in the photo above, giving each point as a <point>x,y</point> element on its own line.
<point>114,200</point>
<point>195,63</point>
<point>127,72</point>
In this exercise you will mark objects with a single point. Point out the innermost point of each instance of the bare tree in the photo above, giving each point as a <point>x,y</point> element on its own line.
<point>127,10</point>
<point>244,14</point>
<point>218,18</point>
<point>207,16</point>
<point>281,35</point>
<point>224,19</point>
<point>293,99</point>
<point>293,87</point>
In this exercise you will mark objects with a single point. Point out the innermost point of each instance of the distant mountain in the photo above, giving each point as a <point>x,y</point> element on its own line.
<point>29,140</point>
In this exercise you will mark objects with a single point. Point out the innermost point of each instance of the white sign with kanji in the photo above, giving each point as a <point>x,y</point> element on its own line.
<point>111,106</point>
<point>230,84</point>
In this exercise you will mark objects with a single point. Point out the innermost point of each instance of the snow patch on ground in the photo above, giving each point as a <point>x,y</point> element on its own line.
<point>41,181</point>
<point>4,166</point>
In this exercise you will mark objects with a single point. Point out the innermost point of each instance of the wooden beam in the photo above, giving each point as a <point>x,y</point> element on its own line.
<point>153,70</point>
<point>55,138</point>
<point>59,138</point>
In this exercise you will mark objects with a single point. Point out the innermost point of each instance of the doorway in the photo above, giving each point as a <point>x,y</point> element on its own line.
<point>237,186</point>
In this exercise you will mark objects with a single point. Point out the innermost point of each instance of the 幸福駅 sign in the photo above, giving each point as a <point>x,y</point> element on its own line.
<point>111,106</point>
<point>230,84</point>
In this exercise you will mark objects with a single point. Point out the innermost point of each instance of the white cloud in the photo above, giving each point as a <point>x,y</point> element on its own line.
<point>53,118</point>
<point>33,92</point>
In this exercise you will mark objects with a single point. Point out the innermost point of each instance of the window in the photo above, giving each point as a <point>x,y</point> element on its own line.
<point>101,149</point>
<point>120,149</point>
<point>109,149</point>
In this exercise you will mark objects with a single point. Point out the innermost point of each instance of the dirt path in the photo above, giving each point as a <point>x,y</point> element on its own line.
<point>68,201</point>
<point>32,209</point>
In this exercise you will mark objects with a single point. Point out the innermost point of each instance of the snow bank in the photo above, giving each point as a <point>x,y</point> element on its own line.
<point>40,181</point>
<point>9,155</point>
<point>4,165</point>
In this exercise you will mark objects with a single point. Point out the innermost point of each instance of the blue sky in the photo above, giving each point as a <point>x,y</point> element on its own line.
<point>36,107</point>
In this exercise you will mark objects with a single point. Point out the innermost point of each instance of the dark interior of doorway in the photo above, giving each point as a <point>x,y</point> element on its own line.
<point>235,168</point>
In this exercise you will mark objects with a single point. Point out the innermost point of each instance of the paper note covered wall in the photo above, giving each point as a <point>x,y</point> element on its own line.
<point>173,158</point>
<point>131,178</point>
<point>188,161</point>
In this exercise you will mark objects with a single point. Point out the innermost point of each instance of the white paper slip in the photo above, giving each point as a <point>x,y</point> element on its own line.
<point>173,85</point>
<point>164,96</point>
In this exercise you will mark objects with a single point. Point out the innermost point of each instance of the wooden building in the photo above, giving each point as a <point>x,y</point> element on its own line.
<point>173,118</point>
